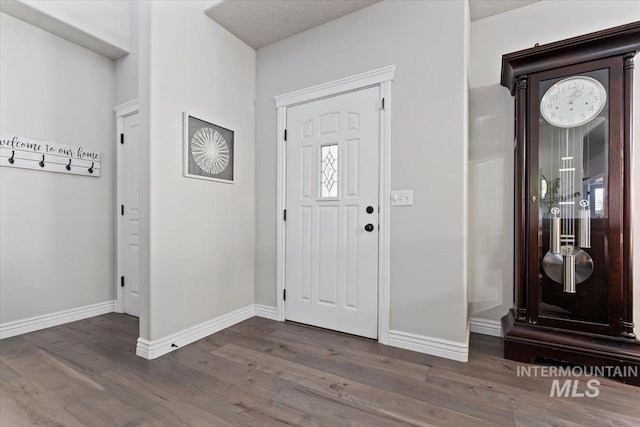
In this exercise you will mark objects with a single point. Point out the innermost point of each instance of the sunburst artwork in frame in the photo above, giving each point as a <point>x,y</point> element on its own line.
<point>208,150</point>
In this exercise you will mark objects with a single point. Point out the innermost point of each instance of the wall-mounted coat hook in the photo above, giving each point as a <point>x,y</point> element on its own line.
<point>48,156</point>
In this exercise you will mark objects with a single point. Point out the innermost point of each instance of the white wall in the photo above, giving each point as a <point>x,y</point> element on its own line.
<point>142,69</point>
<point>99,25</point>
<point>426,41</point>
<point>202,232</point>
<point>56,230</point>
<point>491,135</point>
<point>105,19</point>
<point>127,67</point>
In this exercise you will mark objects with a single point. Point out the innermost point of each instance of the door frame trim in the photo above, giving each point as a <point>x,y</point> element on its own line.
<point>381,78</point>
<point>123,110</point>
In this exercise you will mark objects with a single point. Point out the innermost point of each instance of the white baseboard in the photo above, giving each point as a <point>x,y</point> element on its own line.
<point>267,312</point>
<point>434,346</point>
<point>156,348</point>
<point>486,327</point>
<point>18,327</point>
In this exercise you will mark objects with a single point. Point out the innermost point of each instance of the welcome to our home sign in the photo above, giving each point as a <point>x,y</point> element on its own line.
<point>29,153</point>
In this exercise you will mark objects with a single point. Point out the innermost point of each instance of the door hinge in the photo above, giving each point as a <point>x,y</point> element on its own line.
<point>122,281</point>
<point>284,215</point>
<point>122,210</point>
<point>382,104</point>
<point>285,134</point>
<point>122,138</point>
<point>284,294</point>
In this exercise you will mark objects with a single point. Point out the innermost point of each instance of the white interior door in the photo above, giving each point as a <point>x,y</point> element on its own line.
<point>130,216</point>
<point>331,223</point>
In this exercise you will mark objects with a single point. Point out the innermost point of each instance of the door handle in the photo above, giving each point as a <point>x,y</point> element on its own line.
<point>369,227</point>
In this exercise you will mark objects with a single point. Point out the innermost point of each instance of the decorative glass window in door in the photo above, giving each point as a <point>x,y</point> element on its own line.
<point>329,171</point>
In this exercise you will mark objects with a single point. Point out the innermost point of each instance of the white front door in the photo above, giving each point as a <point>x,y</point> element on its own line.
<point>332,213</point>
<point>130,216</point>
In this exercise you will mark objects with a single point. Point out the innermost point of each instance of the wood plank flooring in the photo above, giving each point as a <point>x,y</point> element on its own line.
<point>263,373</point>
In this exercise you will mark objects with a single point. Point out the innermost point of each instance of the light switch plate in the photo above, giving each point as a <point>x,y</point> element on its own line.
<point>402,198</point>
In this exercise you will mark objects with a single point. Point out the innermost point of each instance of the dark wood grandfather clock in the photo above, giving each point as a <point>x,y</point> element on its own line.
<point>573,208</point>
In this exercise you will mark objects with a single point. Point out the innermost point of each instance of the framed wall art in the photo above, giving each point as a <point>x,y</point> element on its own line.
<point>208,150</point>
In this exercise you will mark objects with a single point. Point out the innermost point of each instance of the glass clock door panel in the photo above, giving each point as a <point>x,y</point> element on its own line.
<point>573,151</point>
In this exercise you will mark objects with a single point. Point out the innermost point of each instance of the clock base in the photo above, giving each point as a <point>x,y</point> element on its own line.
<point>525,342</point>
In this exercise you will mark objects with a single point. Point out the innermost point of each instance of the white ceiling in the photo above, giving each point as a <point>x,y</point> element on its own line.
<point>261,22</point>
<point>483,8</point>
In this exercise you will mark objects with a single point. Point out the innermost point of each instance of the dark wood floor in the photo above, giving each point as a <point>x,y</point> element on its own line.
<point>260,373</point>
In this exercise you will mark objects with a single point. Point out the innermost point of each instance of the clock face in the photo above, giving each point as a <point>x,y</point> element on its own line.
<point>573,101</point>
